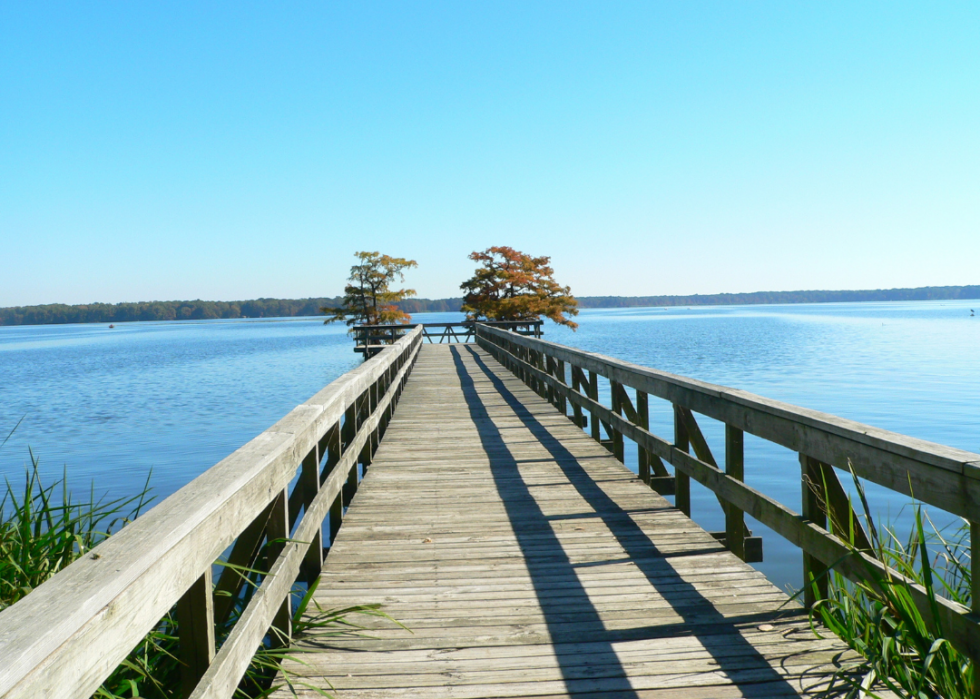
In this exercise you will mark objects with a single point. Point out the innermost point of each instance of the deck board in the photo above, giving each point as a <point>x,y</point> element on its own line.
<point>527,562</point>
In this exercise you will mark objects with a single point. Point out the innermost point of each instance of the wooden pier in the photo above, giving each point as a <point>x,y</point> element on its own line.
<point>497,521</point>
<point>371,339</point>
<point>526,561</point>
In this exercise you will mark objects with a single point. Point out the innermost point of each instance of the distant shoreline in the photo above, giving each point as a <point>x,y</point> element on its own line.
<point>58,314</point>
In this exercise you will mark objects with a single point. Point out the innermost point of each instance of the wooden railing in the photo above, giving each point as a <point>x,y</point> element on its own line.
<point>370,339</point>
<point>941,476</point>
<point>69,634</point>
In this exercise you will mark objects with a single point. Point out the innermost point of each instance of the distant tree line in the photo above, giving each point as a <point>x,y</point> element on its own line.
<point>431,305</point>
<point>925,293</point>
<point>161,310</point>
<point>286,308</point>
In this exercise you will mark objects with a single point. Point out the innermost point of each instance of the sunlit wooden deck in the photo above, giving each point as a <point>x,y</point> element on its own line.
<point>526,561</point>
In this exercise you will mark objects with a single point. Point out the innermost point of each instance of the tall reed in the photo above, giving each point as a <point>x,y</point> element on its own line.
<point>42,530</point>
<point>880,621</point>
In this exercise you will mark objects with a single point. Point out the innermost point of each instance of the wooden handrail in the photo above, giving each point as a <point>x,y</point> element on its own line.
<point>462,323</point>
<point>943,476</point>
<point>69,634</point>
<point>939,475</point>
<point>369,339</point>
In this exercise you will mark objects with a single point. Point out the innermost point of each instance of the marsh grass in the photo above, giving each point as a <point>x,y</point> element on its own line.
<point>880,620</point>
<point>42,530</point>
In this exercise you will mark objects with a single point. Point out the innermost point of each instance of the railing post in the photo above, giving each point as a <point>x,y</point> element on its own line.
<point>278,533</point>
<point>532,359</point>
<point>335,438</point>
<point>560,375</point>
<point>549,369</point>
<point>576,408</point>
<point>735,467</point>
<point>330,449</point>
<point>350,426</point>
<point>374,440</point>
<point>814,571</point>
<point>682,482</point>
<point>616,389</point>
<point>642,421</point>
<point>594,395</point>
<point>195,631</point>
<point>539,363</point>
<point>310,479</point>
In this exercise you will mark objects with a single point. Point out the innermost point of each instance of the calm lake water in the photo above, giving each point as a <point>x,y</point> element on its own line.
<point>109,405</point>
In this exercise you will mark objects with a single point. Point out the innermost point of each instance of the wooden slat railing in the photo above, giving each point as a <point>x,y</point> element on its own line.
<point>941,476</point>
<point>369,339</point>
<point>68,635</point>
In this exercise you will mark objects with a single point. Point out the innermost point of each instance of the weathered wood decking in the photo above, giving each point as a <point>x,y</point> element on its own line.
<point>528,562</point>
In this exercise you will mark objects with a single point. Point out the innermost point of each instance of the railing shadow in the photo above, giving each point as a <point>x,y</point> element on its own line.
<point>571,616</point>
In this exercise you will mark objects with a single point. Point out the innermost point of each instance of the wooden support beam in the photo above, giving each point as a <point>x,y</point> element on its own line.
<point>593,393</point>
<point>552,370</point>
<point>244,555</point>
<point>751,545</point>
<point>642,421</point>
<point>336,516</point>
<point>837,505</point>
<point>539,359</point>
<point>330,449</point>
<point>349,428</point>
<point>699,444</point>
<point>278,529</point>
<point>618,405</point>
<point>682,487</point>
<point>310,483</point>
<point>735,467</point>
<point>578,382</point>
<point>560,375</point>
<point>350,487</point>
<point>195,633</point>
<point>697,440</point>
<point>814,571</point>
<point>665,485</point>
<point>625,403</point>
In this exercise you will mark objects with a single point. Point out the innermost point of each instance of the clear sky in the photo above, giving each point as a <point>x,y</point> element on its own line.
<point>237,150</point>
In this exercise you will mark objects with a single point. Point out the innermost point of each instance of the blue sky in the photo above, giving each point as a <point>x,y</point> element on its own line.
<point>231,151</point>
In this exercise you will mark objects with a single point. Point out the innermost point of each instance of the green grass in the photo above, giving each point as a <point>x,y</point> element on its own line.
<point>42,530</point>
<point>879,619</point>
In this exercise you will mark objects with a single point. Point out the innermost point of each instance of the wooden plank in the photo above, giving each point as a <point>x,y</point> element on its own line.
<point>528,562</point>
<point>957,626</point>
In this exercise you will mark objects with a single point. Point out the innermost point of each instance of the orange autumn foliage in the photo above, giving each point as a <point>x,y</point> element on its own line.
<point>511,285</point>
<point>368,296</point>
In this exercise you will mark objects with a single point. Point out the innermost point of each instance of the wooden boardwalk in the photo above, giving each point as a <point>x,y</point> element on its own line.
<point>527,562</point>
